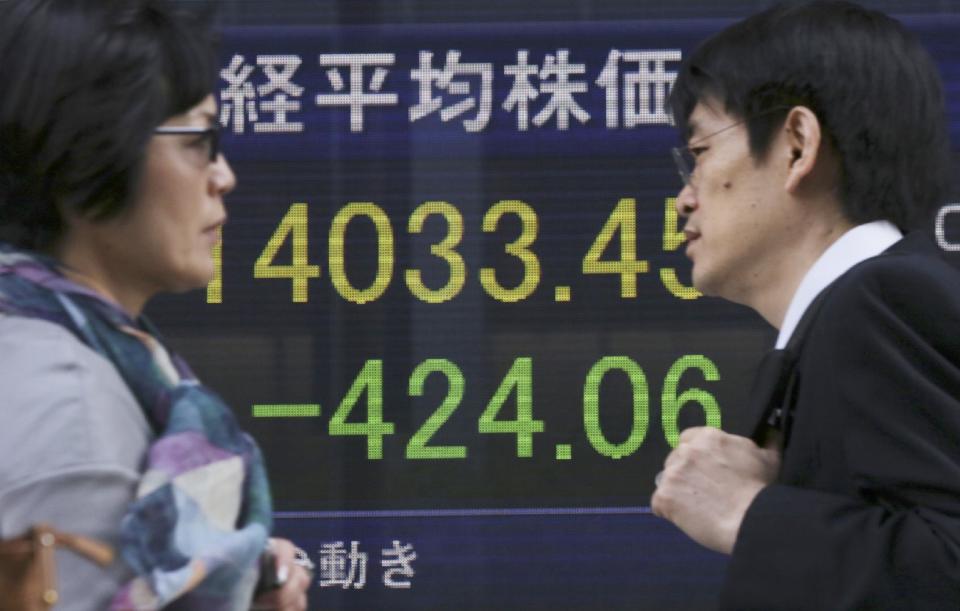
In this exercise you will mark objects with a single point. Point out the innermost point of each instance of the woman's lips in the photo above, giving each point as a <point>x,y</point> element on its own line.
<point>212,232</point>
<point>692,236</point>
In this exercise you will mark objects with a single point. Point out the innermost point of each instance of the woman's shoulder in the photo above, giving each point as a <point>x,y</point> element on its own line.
<point>16,329</point>
<point>43,360</point>
<point>63,406</point>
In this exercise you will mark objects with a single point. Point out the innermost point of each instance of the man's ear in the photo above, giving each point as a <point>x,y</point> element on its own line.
<point>802,138</point>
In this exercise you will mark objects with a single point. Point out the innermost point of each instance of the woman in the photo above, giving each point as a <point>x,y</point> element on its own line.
<point>111,191</point>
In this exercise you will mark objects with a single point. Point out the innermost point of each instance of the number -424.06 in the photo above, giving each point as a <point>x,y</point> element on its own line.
<point>517,383</point>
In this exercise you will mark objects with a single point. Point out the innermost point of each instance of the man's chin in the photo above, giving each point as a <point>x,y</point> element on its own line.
<point>698,279</point>
<point>702,282</point>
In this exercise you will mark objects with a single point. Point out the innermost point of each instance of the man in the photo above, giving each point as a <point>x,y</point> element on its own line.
<point>817,139</point>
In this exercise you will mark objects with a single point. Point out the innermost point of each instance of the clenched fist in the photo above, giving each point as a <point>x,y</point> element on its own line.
<point>708,482</point>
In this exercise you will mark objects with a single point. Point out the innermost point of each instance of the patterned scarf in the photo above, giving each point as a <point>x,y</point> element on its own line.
<point>202,513</point>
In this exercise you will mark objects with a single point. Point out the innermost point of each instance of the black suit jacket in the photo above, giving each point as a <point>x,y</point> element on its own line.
<point>866,510</point>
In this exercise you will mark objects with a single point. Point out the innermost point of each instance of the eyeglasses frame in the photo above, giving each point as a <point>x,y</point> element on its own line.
<point>213,132</point>
<point>678,152</point>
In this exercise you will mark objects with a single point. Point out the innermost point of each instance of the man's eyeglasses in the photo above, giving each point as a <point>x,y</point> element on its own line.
<point>687,162</point>
<point>209,135</point>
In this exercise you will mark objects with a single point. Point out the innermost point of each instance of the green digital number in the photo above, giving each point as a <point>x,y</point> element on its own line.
<point>671,402</point>
<point>518,380</point>
<point>417,448</point>
<point>370,379</point>
<point>624,219</point>
<point>591,406</point>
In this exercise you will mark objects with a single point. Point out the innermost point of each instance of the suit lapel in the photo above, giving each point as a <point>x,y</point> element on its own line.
<point>766,405</point>
<point>768,391</point>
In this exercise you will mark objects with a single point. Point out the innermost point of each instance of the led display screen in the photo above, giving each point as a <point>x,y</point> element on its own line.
<point>452,305</point>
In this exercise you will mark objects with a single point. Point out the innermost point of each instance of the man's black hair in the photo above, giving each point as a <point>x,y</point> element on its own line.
<point>874,89</point>
<point>84,84</point>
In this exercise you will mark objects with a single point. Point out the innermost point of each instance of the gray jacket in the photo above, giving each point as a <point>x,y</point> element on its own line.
<point>73,441</point>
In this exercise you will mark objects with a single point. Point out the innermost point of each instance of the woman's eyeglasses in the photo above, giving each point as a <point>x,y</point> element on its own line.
<point>209,135</point>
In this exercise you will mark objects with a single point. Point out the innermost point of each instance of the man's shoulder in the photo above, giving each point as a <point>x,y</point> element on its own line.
<point>909,295</point>
<point>911,273</point>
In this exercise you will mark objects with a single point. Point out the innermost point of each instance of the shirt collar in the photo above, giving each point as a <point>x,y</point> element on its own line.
<point>856,245</point>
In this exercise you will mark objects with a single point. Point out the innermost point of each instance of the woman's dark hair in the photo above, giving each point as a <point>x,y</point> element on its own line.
<point>84,82</point>
<point>874,89</point>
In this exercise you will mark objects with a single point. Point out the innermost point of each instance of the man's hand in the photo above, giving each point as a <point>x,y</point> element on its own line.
<point>709,481</point>
<point>292,595</point>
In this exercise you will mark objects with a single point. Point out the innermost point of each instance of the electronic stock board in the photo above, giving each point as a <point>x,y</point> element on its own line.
<point>452,305</point>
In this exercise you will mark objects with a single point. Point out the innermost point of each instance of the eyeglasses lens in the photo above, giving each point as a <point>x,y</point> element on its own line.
<point>213,142</point>
<point>686,163</point>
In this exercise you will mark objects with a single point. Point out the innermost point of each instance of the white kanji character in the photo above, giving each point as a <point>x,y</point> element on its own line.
<point>238,99</point>
<point>522,92</point>
<point>561,90</point>
<point>357,98</point>
<point>645,90</point>
<point>397,562</point>
<point>428,77</point>
<point>280,82</point>
<point>609,80</point>
<point>637,86</point>
<point>341,568</point>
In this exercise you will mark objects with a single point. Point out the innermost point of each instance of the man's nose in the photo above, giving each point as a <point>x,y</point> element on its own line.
<point>686,201</point>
